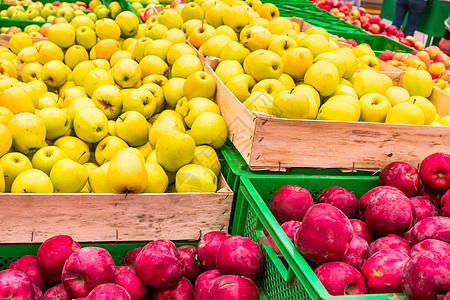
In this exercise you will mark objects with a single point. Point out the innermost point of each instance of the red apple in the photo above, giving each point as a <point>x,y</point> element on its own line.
<point>364,19</point>
<point>154,255</point>
<point>383,271</point>
<point>15,284</point>
<point>357,252</point>
<point>395,38</point>
<point>419,46</point>
<point>29,265</point>
<point>424,208</point>
<point>382,26</point>
<point>59,20</point>
<point>233,287</point>
<point>53,253</point>
<point>108,291</point>
<point>13,30</point>
<point>445,75</point>
<point>362,230</point>
<point>447,296</point>
<point>176,2</point>
<point>356,23</point>
<point>386,55</point>
<point>326,7</point>
<point>375,28</point>
<point>431,228</point>
<point>405,42</point>
<point>340,198</point>
<point>130,257</point>
<point>344,9</point>
<point>430,195</point>
<point>352,42</point>
<point>435,171</point>
<point>364,200</point>
<point>399,34</point>
<point>85,269</point>
<point>426,275</point>
<point>189,256</point>
<point>57,293</point>
<point>313,244</point>
<point>443,58</point>
<point>290,203</point>
<point>44,29</point>
<point>389,212</point>
<point>56,3</point>
<point>340,15</point>
<point>389,242</point>
<point>366,26</point>
<point>203,284</point>
<point>183,290</point>
<point>375,19</point>
<point>445,204</point>
<point>391,29</point>
<point>290,228</point>
<point>362,10</point>
<point>240,256</point>
<point>423,55</point>
<point>130,281</point>
<point>432,51</point>
<point>208,246</point>
<point>428,64</point>
<point>38,295</point>
<point>401,175</point>
<point>430,245</point>
<point>340,278</point>
<point>411,40</point>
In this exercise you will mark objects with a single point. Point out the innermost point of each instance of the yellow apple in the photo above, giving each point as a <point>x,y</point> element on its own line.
<point>90,125</point>
<point>32,181</point>
<point>76,149</point>
<point>406,113</point>
<point>95,79</point>
<point>426,106</point>
<point>57,122</point>
<point>62,34</point>
<point>126,73</point>
<point>107,29</point>
<point>374,108</point>
<point>68,176</point>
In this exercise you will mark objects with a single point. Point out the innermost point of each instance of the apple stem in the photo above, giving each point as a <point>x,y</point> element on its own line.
<point>291,91</point>
<point>81,155</point>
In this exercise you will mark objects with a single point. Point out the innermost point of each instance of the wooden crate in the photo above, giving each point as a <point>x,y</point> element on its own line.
<point>270,143</point>
<point>32,218</point>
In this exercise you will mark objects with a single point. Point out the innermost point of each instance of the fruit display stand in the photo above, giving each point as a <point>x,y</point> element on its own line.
<point>114,217</point>
<point>275,144</point>
<point>297,281</point>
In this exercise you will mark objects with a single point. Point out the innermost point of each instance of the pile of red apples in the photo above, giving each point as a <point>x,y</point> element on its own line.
<point>394,239</point>
<point>221,267</point>
<point>358,16</point>
<point>431,59</point>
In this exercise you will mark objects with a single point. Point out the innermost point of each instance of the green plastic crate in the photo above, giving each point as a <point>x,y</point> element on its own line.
<point>298,281</point>
<point>5,22</point>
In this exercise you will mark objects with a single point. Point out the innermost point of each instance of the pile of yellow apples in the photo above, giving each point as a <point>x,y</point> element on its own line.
<point>102,107</point>
<point>274,68</point>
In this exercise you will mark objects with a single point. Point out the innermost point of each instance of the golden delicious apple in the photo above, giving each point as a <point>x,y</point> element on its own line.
<point>141,101</point>
<point>139,48</point>
<point>186,65</point>
<point>281,44</point>
<point>168,120</point>
<point>158,93</point>
<point>97,78</point>
<point>255,37</point>
<point>54,73</point>
<point>62,34</point>
<point>57,122</point>
<point>279,25</point>
<point>108,99</point>
<point>76,149</point>
<point>145,149</point>
<point>74,55</point>
<point>32,181</point>
<point>128,23</point>
<point>313,98</point>
<point>234,51</point>
<point>5,116</point>
<point>349,59</point>
<point>406,113</point>
<point>236,17</point>
<point>199,84</point>
<point>291,105</point>
<point>426,106</point>
<point>127,172</point>
<point>397,94</point>
<point>268,11</point>
<point>173,91</point>
<point>194,178</point>
<point>188,26</point>
<point>132,127</point>
<point>323,76</point>
<point>265,64</point>
<point>5,139</point>
<point>68,176</point>
<point>118,56</point>
<point>228,69</point>
<point>7,68</point>
<point>152,157</point>
<point>107,147</point>
<point>209,129</point>
<point>81,70</point>
<point>31,72</point>
<point>19,41</point>
<point>77,105</point>
<point>90,125</point>
<point>368,62</point>
<point>214,15</point>
<point>338,111</point>
<point>259,101</point>
<point>30,91</point>
<point>46,157</point>
<point>79,21</point>
<point>155,31</point>
<point>270,86</point>
<point>296,62</point>
<point>175,36</point>
<point>153,65</point>
<point>228,31</point>
<point>241,86</point>
<point>13,163</point>
<point>48,51</point>
<point>197,106</point>
<point>170,18</point>
<point>2,180</point>
<point>178,50</point>
<point>104,49</point>
<point>157,180</point>
<point>369,81</point>
<point>363,50</point>
<point>28,132</point>
<point>158,48</point>
<point>206,156</point>
<point>214,45</point>
<point>316,43</point>
<point>335,59</point>
<point>107,29</point>
<point>192,11</point>
<point>374,107</point>
<point>126,73</point>
<point>174,150</point>
<point>27,55</point>
<point>97,179</point>
<point>418,83</point>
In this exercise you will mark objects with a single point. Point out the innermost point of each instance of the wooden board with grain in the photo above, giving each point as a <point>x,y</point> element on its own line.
<point>33,218</point>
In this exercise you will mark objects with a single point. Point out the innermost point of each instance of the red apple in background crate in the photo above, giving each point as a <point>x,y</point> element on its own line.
<point>340,198</point>
<point>182,290</point>
<point>290,203</point>
<point>15,284</point>
<point>401,175</point>
<point>57,292</point>
<point>108,291</point>
<point>203,284</point>
<point>430,245</point>
<point>424,208</point>
<point>431,228</point>
<point>435,171</point>
<point>357,252</point>
<point>127,278</point>
<point>362,230</point>
<point>208,246</point>
<point>130,257</point>
<point>340,278</point>
<point>233,287</point>
<point>189,256</point>
<point>389,242</point>
<point>28,264</point>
